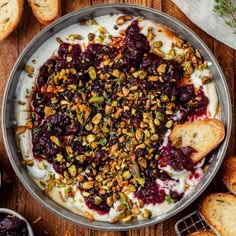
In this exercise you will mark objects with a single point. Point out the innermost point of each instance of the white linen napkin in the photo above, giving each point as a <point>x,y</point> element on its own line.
<point>201,13</point>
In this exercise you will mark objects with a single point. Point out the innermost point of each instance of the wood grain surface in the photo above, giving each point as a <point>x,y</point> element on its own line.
<point>16,197</point>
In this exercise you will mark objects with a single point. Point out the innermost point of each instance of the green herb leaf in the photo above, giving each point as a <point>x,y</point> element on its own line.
<point>169,199</point>
<point>226,10</point>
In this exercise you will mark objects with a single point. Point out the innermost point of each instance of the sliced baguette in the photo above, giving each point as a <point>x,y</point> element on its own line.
<point>203,233</point>
<point>219,212</point>
<point>10,14</point>
<point>202,135</point>
<point>45,11</point>
<point>229,174</point>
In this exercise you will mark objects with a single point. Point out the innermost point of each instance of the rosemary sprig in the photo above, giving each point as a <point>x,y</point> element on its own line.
<point>227,10</point>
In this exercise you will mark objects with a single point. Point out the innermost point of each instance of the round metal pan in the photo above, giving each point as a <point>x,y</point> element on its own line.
<point>73,18</point>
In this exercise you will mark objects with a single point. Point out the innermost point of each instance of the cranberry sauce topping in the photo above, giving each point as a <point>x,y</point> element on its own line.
<point>179,159</point>
<point>12,226</point>
<point>97,203</point>
<point>151,193</point>
<point>100,117</point>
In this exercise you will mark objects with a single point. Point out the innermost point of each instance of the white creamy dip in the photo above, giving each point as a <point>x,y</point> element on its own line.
<point>26,85</point>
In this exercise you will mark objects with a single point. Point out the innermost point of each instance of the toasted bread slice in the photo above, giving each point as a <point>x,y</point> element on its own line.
<point>203,233</point>
<point>229,174</point>
<point>10,14</point>
<point>45,11</point>
<point>219,211</point>
<point>202,135</point>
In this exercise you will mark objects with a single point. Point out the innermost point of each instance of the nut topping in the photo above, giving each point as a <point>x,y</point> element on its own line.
<point>101,115</point>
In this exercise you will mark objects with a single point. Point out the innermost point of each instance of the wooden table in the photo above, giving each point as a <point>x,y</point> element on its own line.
<point>16,197</point>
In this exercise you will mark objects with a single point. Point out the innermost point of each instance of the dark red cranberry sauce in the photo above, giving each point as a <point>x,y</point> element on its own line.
<point>12,226</point>
<point>82,101</point>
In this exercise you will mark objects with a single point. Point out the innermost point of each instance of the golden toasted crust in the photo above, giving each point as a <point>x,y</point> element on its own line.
<point>219,211</point>
<point>203,233</point>
<point>10,14</point>
<point>229,174</point>
<point>202,135</point>
<point>46,11</point>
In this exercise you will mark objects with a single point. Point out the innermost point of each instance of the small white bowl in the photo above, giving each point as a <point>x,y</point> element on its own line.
<point>11,212</point>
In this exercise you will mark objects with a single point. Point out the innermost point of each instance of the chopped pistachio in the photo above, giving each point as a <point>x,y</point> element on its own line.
<point>91,138</point>
<point>48,111</point>
<point>108,109</point>
<point>153,78</point>
<point>97,200</point>
<point>139,135</point>
<point>179,42</point>
<point>29,69</point>
<point>92,73</point>
<point>118,113</point>
<point>41,165</point>
<point>88,185</point>
<point>158,52</point>
<point>150,34</point>
<point>152,126</point>
<point>154,137</point>
<point>69,150</point>
<point>97,118</point>
<point>157,44</point>
<point>147,214</point>
<point>120,20</point>
<point>72,170</point>
<point>127,218</point>
<point>128,17</point>
<point>142,163</point>
<point>89,127</point>
<point>169,123</point>
<point>141,203</point>
<point>66,174</point>
<point>73,37</point>
<point>206,79</point>
<point>110,201</point>
<point>27,162</point>
<point>125,91</point>
<point>126,175</point>
<point>91,36</point>
<point>51,184</point>
<point>188,67</point>
<point>169,199</point>
<point>55,140</point>
<point>86,194</point>
<point>97,99</point>
<point>69,58</point>
<point>171,54</point>
<point>116,73</point>
<point>157,122</point>
<point>136,210</point>
<point>114,103</point>
<point>91,22</point>
<point>161,68</point>
<point>20,129</point>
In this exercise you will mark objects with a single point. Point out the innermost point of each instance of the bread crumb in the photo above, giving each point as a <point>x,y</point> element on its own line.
<point>67,233</point>
<point>37,220</point>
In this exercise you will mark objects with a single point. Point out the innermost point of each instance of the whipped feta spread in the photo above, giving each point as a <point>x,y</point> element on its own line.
<point>41,171</point>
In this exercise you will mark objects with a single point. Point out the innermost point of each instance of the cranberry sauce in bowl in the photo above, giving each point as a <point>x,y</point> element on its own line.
<point>13,224</point>
<point>101,109</point>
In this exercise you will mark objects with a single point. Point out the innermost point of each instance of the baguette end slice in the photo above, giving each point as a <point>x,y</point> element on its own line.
<point>219,212</point>
<point>202,135</point>
<point>229,174</point>
<point>45,11</point>
<point>203,233</point>
<point>10,14</point>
